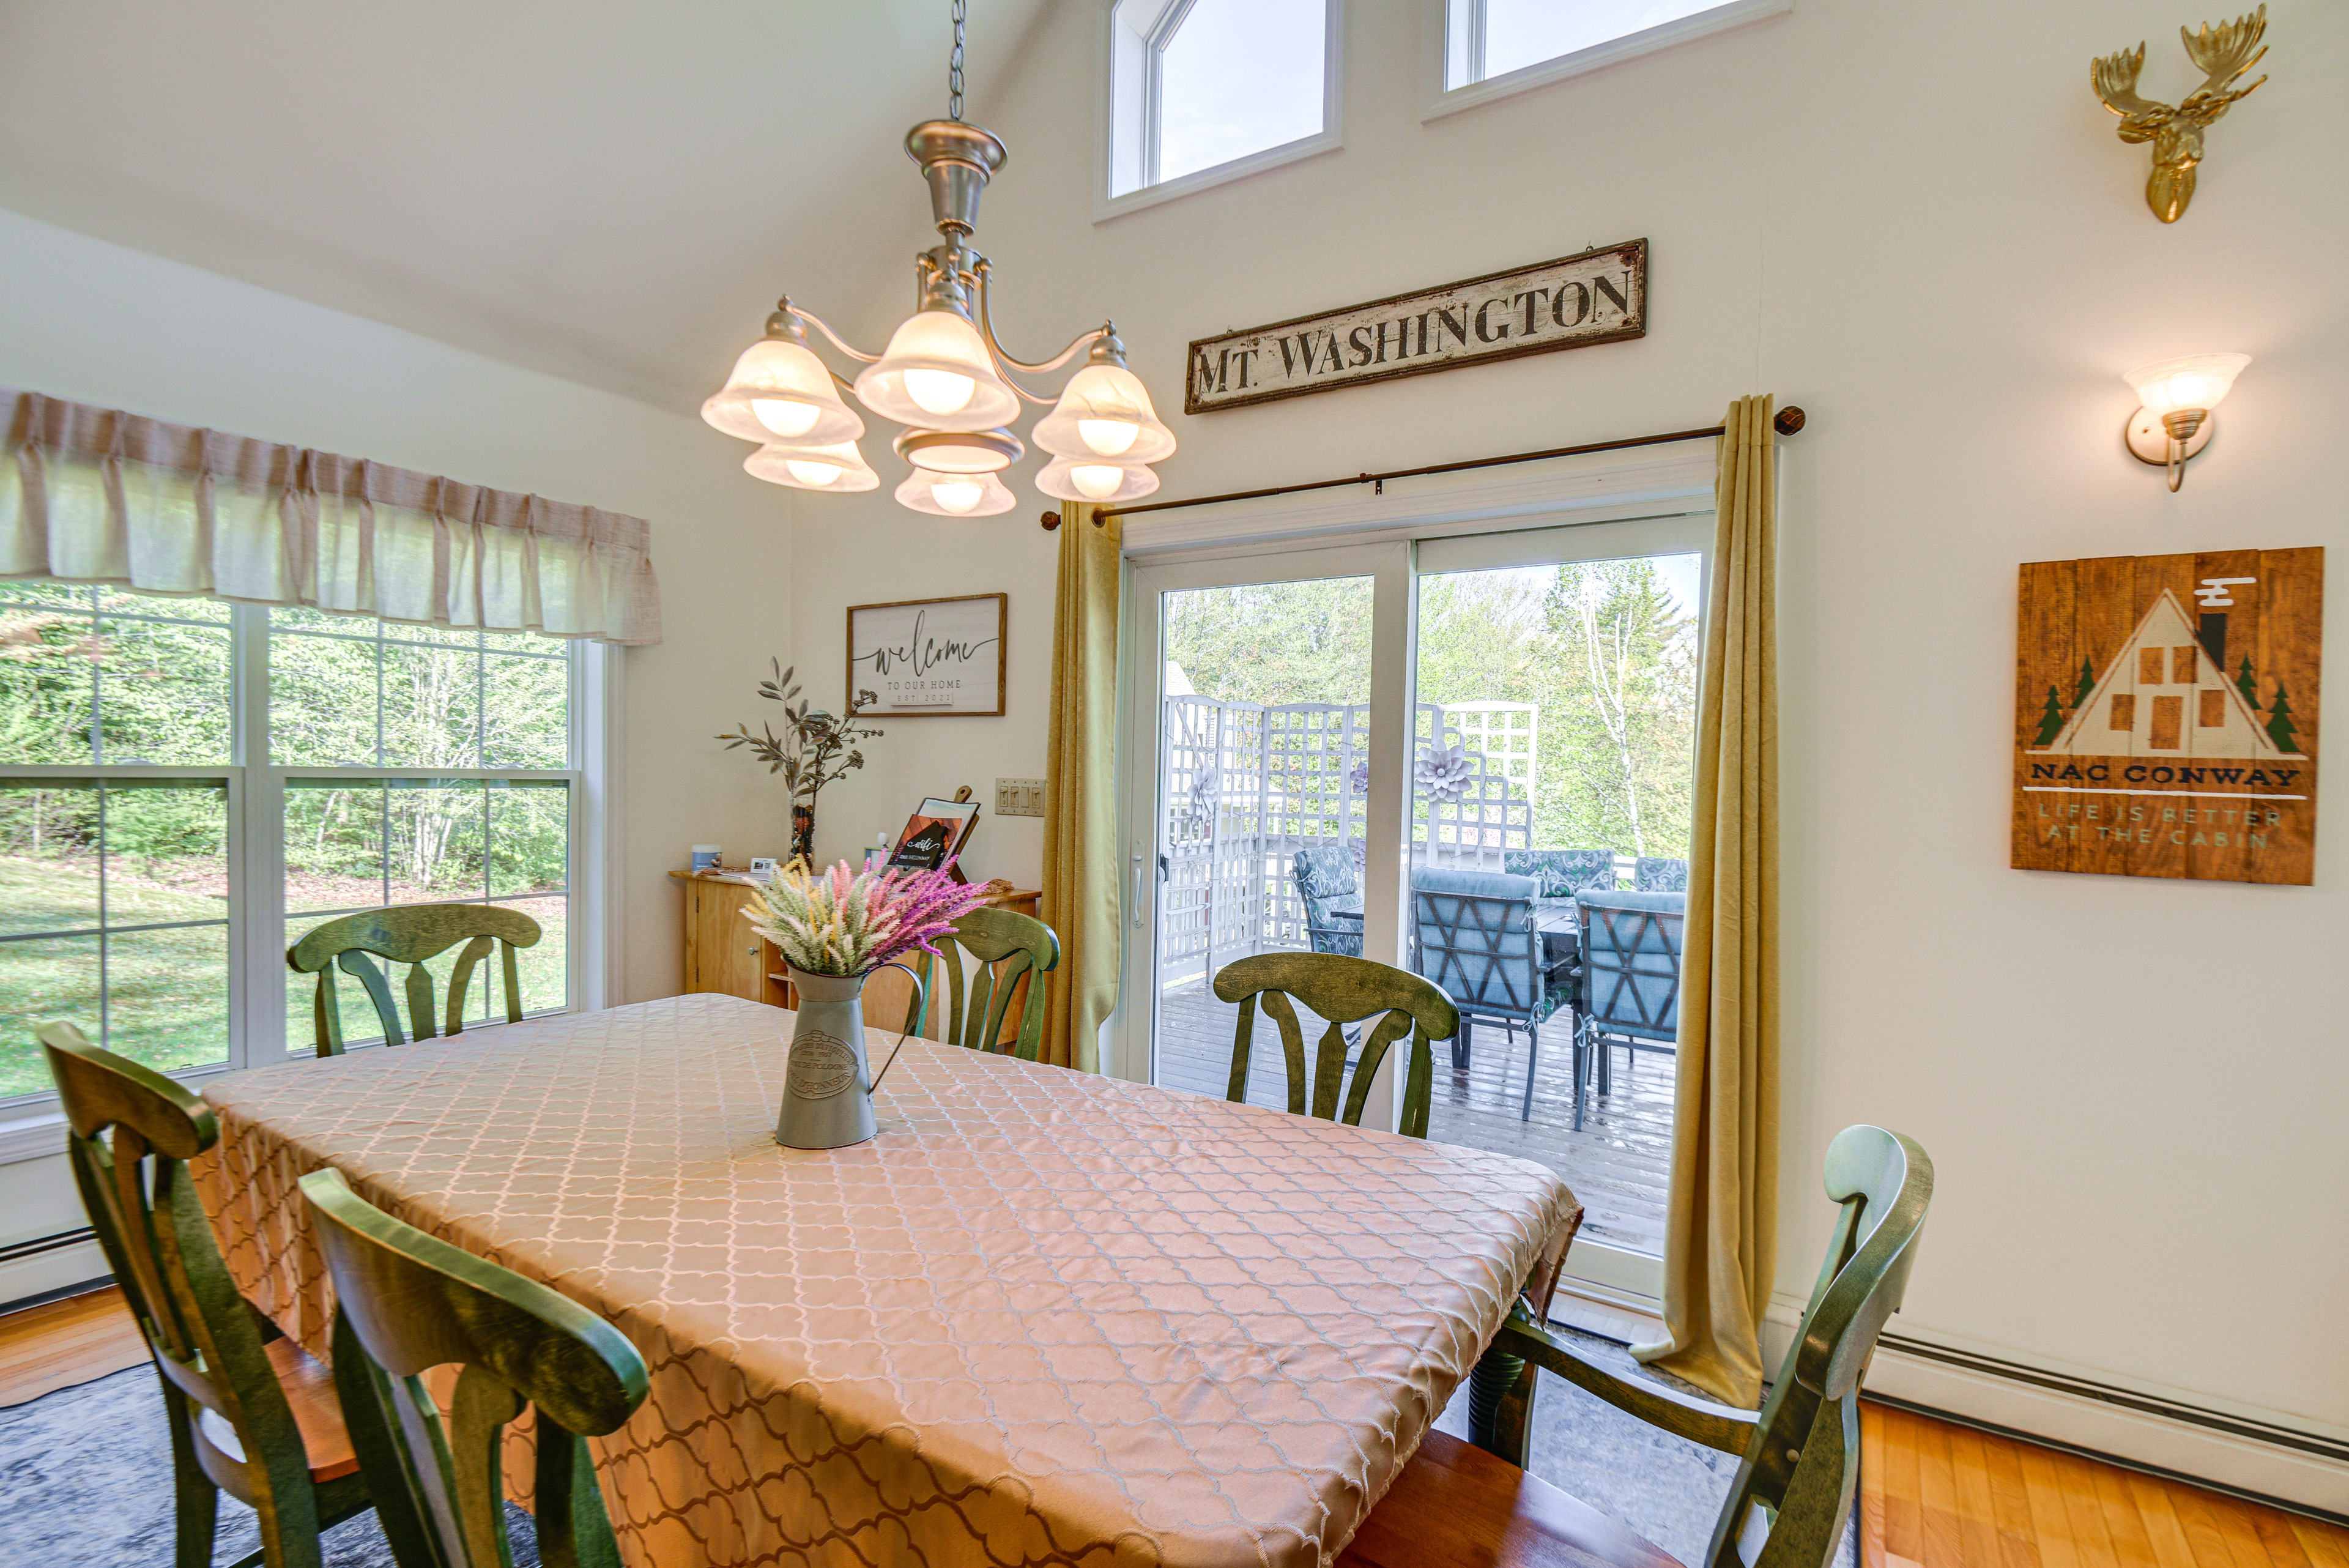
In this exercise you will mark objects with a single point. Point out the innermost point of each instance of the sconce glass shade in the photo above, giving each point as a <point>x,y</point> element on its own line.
<point>960,452</point>
<point>1070,479</point>
<point>780,392</point>
<point>937,374</point>
<point>2197,381</point>
<point>1104,412</point>
<point>955,494</point>
<point>832,468</point>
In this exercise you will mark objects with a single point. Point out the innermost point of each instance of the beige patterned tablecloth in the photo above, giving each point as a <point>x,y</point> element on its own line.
<point>1044,1317</point>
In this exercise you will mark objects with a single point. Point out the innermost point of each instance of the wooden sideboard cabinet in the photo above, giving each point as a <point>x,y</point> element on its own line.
<point>722,953</point>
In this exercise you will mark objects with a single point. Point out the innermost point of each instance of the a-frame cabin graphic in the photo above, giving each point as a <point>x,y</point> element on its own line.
<point>2165,694</point>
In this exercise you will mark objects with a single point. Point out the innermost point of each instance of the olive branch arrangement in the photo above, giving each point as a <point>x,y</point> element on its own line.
<point>809,753</point>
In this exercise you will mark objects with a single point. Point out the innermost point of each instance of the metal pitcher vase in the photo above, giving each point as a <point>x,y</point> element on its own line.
<point>828,1085</point>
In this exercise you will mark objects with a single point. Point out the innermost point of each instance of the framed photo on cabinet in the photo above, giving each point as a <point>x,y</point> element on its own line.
<point>929,657</point>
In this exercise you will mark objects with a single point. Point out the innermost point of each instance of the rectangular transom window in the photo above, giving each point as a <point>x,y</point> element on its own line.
<point>1202,90</point>
<point>186,787</point>
<point>1514,44</point>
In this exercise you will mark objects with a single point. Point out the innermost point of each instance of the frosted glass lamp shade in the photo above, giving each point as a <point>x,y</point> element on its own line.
<point>1075,479</point>
<point>1104,413</point>
<point>2197,381</point>
<point>937,374</point>
<point>838,467</point>
<point>780,392</point>
<point>955,494</point>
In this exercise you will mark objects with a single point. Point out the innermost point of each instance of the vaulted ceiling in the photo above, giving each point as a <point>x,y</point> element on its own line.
<point>610,191</point>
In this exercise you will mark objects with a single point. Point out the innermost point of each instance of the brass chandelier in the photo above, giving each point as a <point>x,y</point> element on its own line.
<point>944,375</point>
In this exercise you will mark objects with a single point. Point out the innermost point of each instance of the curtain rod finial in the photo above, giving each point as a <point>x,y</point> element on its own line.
<point>1051,521</point>
<point>1788,419</point>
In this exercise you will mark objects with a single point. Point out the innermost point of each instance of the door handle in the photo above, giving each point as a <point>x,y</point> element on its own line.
<point>1137,890</point>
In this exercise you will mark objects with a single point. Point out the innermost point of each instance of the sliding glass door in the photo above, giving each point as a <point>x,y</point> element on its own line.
<point>1421,753</point>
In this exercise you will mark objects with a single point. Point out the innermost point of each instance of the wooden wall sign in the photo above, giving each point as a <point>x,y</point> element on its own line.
<point>2165,715</point>
<point>1599,297</point>
<point>923,658</point>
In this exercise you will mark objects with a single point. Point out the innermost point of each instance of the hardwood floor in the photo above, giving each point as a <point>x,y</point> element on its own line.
<point>62,1342</point>
<point>1618,1165</point>
<point>1943,1496</point>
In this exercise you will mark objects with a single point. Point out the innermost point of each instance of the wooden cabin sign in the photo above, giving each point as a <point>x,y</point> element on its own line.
<point>2166,715</point>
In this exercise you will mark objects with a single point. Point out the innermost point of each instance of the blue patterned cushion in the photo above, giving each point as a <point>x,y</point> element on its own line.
<point>1562,873</point>
<point>1653,874</point>
<point>1325,874</point>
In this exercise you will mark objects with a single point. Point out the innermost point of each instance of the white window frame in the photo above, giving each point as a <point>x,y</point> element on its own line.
<point>1455,28</point>
<point>1126,111</point>
<point>256,916</point>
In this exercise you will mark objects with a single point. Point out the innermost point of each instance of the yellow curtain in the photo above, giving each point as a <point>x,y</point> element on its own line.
<point>1721,1231</point>
<point>1080,861</point>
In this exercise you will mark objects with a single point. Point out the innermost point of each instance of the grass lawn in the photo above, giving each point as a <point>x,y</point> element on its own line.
<point>167,991</point>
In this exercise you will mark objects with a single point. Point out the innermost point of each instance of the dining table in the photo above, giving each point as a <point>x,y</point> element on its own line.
<point>1043,1316</point>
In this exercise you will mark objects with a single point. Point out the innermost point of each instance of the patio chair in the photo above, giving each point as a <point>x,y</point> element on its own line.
<point>1651,875</point>
<point>1562,873</point>
<point>1631,991</point>
<point>1474,933</point>
<point>1345,990</point>
<point>1324,876</point>
<point>1791,1498</point>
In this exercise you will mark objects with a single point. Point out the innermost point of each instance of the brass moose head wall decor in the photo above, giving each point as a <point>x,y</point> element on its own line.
<point>2223,53</point>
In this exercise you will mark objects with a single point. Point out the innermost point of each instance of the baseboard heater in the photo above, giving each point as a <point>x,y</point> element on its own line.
<point>40,1244</point>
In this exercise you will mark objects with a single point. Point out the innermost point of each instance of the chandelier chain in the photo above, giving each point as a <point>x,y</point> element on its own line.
<point>954,64</point>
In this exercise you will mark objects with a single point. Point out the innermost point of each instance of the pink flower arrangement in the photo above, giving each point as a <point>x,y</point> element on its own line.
<point>845,923</point>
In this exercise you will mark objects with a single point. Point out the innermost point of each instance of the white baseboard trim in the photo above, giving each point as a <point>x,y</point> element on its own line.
<point>38,1273</point>
<point>2272,1454</point>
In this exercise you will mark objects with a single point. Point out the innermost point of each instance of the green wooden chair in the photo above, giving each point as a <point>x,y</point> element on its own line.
<point>250,1414</point>
<point>1002,945</point>
<point>1344,991</point>
<point>408,1303</point>
<point>410,934</point>
<point>1799,1457</point>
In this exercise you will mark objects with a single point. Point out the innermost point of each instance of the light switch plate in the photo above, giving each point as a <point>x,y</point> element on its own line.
<point>1020,797</point>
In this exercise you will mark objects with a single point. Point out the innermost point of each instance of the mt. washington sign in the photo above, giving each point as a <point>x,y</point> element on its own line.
<point>1599,297</point>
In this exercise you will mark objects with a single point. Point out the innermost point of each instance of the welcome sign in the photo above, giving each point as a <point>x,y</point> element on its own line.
<point>2166,715</point>
<point>1599,297</point>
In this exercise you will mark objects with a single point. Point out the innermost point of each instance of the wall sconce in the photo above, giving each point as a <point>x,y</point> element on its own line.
<point>2176,396</point>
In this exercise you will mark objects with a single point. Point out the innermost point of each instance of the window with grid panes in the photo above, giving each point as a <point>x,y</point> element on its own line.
<point>186,787</point>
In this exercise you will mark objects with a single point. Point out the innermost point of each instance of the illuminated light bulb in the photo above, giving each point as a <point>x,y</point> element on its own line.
<point>831,467</point>
<point>818,474</point>
<point>1099,481</point>
<point>939,391</point>
<point>1109,437</point>
<point>785,418</point>
<point>959,495</point>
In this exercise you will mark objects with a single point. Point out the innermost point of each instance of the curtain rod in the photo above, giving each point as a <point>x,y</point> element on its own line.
<point>1786,421</point>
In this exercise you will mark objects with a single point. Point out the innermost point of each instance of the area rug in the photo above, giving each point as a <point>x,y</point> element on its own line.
<point>87,1473</point>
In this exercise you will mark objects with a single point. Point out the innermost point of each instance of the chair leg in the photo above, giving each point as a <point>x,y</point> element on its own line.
<point>1581,1057</point>
<point>195,1500</point>
<point>1460,1046</point>
<point>1533,1064</point>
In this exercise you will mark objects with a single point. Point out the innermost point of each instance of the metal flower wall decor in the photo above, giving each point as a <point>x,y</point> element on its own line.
<point>2223,53</point>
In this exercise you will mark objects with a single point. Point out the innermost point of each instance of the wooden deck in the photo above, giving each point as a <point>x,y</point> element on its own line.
<point>1618,1163</point>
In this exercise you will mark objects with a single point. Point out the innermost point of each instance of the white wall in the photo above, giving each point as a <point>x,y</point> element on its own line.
<point>1915,221</point>
<point>83,319</point>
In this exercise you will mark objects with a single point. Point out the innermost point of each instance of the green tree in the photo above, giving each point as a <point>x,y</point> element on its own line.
<point>1619,722</point>
<point>2280,728</point>
<point>2087,681</point>
<point>2248,687</point>
<point>2050,720</point>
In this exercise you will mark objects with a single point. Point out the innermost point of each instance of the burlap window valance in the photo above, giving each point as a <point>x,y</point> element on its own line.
<point>96,496</point>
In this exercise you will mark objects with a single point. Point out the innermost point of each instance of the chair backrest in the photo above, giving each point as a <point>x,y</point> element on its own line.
<point>408,1303</point>
<point>1651,873</point>
<point>1631,963</point>
<point>410,934</point>
<point>1562,873</point>
<point>1475,937</point>
<point>1803,1461</point>
<point>1324,875</point>
<point>1343,990</point>
<point>1002,945</point>
<point>130,1132</point>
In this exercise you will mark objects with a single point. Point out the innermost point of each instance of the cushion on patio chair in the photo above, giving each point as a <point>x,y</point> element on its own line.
<point>1651,873</point>
<point>1476,940</point>
<point>1631,963</point>
<point>1562,873</point>
<point>1324,875</point>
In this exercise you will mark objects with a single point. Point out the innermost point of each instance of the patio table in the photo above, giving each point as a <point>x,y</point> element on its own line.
<point>1044,1316</point>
